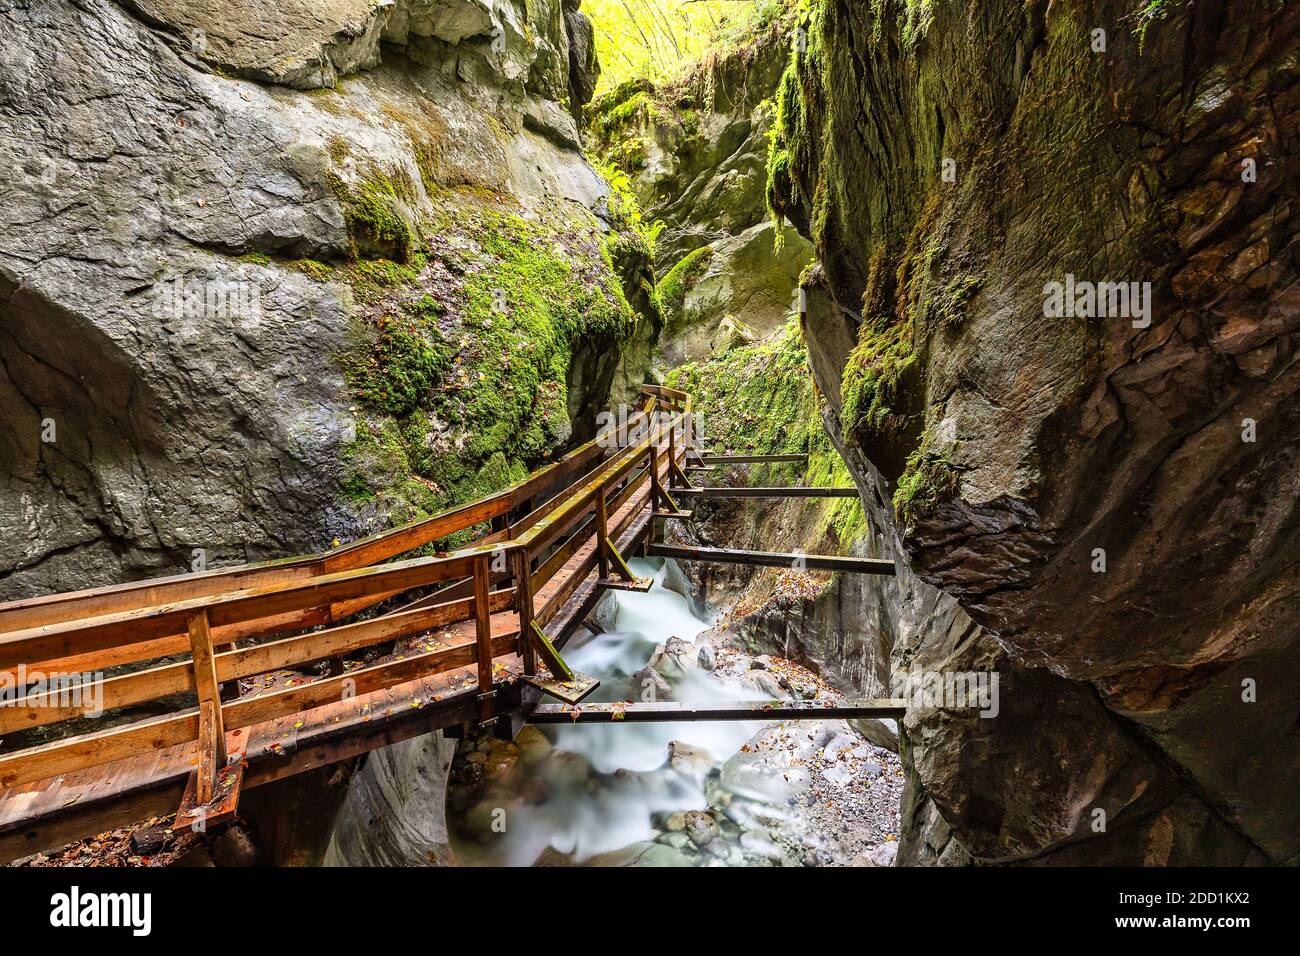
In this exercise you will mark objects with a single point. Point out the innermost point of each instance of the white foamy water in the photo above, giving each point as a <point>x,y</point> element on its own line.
<point>590,813</point>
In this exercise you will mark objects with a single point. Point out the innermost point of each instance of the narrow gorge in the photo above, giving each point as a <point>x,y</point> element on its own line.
<point>284,278</point>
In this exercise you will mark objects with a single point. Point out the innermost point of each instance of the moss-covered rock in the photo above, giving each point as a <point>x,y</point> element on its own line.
<point>693,151</point>
<point>463,360</point>
<point>760,399</point>
<point>949,160</point>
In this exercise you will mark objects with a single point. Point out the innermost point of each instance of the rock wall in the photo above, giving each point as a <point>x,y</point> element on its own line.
<point>1085,484</point>
<point>261,289</point>
<point>394,811</point>
<point>694,152</point>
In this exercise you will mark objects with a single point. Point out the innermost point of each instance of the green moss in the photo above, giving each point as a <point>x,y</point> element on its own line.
<point>256,258</point>
<point>873,374</point>
<point>761,399</point>
<point>672,288</point>
<point>407,359</point>
<point>338,149</point>
<point>319,271</point>
<point>927,480</point>
<point>375,219</point>
<point>460,367</point>
<point>787,125</point>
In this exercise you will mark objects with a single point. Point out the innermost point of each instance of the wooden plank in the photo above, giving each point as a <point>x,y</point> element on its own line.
<point>754,492</point>
<point>748,459</point>
<point>635,712</point>
<point>678,515</point>
<point>483,639</point>
<point>770,559</point>
<point>89,750</point>
<point>569,691</point>
<point>169,679</point>
<point>212,733</point>
<point>636,585</point>
<point>94,602</point>
<point>67,638</point>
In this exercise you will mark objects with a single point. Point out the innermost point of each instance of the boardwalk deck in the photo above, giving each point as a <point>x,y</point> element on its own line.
<point>47,813</point>
<point>453,635</point>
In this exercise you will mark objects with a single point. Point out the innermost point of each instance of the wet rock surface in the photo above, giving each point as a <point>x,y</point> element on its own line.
<point>193,212</point>
<point>1020,448</point>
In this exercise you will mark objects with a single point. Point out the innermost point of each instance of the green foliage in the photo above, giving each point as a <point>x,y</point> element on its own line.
<point>625,208</point>
<point>761,399</point>
<point>654,39</point>
<point>1149,13</point>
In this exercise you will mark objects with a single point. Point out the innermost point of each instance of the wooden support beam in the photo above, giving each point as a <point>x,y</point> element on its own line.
<point>647,712</point>
<point>683,483</point>
<point>212,732</point>
<point>617,561</point>
<point>755,492</point>
<point>679,515</point>
<point>199,817</point>
<point>602,531</point>
<point>771,559</point>
<point>483,638</point>
<point>750,459</point>
<point>564,683</point>
<point>524,604</point>
<point>549,655</point>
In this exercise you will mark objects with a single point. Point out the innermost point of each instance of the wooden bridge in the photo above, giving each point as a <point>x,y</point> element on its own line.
<point>234,678</point>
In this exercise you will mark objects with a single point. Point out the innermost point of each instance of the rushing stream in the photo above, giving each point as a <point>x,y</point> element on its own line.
<point>665,794</point>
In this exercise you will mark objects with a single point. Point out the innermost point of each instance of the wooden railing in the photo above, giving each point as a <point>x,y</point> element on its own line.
<point>536,528</point>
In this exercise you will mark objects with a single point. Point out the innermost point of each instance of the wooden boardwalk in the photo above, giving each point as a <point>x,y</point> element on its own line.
<point>234,678</point>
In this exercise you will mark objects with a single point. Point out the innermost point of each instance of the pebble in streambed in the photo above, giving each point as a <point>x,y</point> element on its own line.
<point>674,794</point>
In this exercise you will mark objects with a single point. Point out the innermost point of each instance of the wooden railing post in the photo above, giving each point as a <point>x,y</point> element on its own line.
<point>483,637</point>
<point>672,451</point>
<point>656,485</point>
<point>212,732</point>
<point>602,532</point>
<point>524,603</point>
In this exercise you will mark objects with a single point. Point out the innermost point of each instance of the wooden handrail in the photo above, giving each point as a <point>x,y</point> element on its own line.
<point>93,602</point>
<point>583,497</point>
